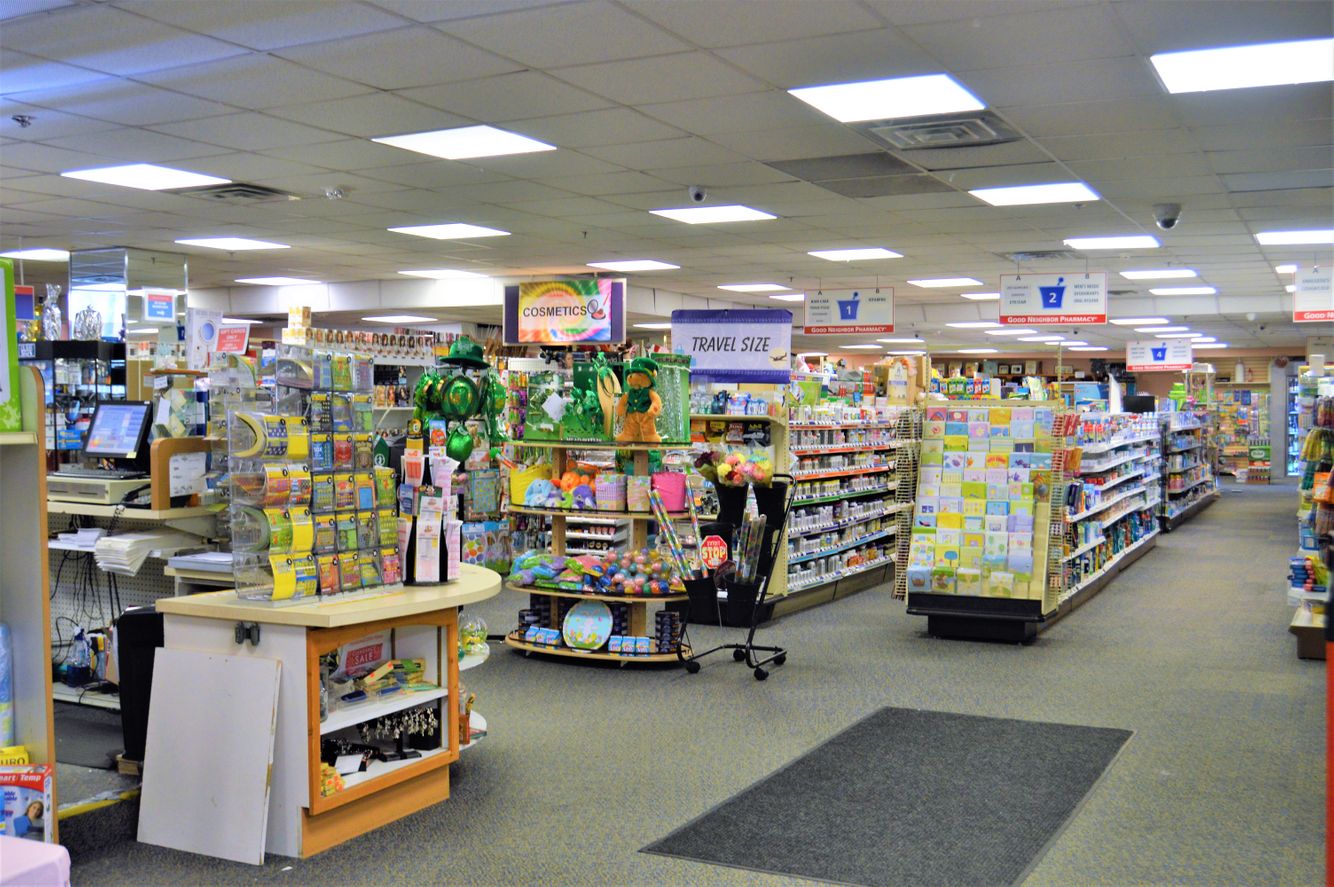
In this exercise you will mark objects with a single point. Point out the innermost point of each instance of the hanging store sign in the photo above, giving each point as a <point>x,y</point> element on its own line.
<point>735,345</point>
<point>565,312</point>
<point>160,305</point>
<point>1053,299</point>
<point>1313,297</point>
<point>233,339</point>
<point>1158,355</point>
<point>849,312</point>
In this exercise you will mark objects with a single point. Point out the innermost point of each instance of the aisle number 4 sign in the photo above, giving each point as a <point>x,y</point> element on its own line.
<point>1054,299</point>
<point>1158,355</point>
<point>1313,296</point>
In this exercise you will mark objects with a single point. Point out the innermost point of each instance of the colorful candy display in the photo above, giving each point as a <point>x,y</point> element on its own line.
<point>630,573</point>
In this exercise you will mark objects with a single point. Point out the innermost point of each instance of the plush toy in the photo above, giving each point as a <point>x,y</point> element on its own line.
<point>639,405</point>
<point>538,493</point>
<point>582,498</point>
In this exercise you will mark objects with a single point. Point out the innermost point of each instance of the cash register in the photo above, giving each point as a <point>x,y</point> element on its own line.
<point>115,457</point>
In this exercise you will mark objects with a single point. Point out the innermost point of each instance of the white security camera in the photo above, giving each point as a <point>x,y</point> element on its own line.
<point>1167,215</point>
<point>697,194</point>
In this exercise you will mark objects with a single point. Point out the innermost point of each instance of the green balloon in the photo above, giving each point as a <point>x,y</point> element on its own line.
<point>459,445</point>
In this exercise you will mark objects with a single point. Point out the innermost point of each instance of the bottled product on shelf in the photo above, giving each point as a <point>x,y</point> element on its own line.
<point>1308,572</point>
<point>1189,484</point>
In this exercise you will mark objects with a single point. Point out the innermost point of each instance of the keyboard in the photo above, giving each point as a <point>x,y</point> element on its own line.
<point>99,473</point>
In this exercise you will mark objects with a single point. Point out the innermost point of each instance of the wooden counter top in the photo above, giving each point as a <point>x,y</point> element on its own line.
<point>475,584</point>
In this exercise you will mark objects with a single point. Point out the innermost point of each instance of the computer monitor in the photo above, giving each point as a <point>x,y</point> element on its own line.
<point>119,431</point>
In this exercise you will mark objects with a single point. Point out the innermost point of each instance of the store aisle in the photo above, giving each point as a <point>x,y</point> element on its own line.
<point>1222,783</point>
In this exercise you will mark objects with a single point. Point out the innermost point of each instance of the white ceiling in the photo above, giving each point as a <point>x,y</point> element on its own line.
<point>646,97</point>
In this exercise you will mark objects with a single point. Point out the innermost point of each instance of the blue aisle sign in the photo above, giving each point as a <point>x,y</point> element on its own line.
<point>1054,299</point>
<point>1158,355</point>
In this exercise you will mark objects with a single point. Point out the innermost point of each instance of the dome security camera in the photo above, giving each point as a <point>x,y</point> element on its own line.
<point>1167,215</point>
<point>697,194</point>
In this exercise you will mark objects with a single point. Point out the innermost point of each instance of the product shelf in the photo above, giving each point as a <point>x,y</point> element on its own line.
<point>811,531</point>
<point>570,513</point>
<point>1095,449</point>
<point>599,445</point>
<point>1083,548</point>
<point>1120,480</point>
<point>838,497</point>
<point>840,427</point>
<point>594,596</point>
<point>369,711</point>
<point>613,537</point>
<point>850,472</point>
<point>816,555</point>
<point>657,658</point>
<point>1296,596</point>
<point>1102,506</point>
<point>1194,446</point>
<point>1110,566</point>
<point>829,451</point>
<point>1085,469</point>
<point>377,769</point>
<point>826,578</point>
<point>476,720</point>
<point>1184,469</point>
<point>1178,492</point>
<point>472,660</point>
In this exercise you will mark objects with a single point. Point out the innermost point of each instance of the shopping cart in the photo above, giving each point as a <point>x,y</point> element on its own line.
<point>748,599</point>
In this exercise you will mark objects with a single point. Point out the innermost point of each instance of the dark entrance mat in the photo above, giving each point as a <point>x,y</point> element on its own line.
<point>908,797</point>
<point>89,737</point>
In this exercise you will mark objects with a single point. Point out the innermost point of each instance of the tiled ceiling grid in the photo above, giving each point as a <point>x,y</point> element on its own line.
<point>646,97</point>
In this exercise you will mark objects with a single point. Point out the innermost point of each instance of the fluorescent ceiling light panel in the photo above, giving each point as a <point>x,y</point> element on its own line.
<point>1289,268</point>
<point>1044,339</point>
<point>38,254</point>
<point>1176,335</point>
<point>275,281</point>
<point>752,287</point>
<point>866,347</point>
<point>241,321</point>
<point>942,282</point>
<point>145,176</point>
<point>231,244</point>
<point>709,215</point>
<point>1184,291</point>
<point>1201,340</point>
<point>1296,238</point>
<point>654,326</point>
<point>400,318</point>
<point>855,254</point>
<point>141,331</point>
<point>813,354</point>
<point>973,324</point>
<point>1031,195</point>
<point>1290,288</point>
<point>442,274</point>
<point>634,265</point>
<point>1125,241</point>
<point>1200,346</point>
<point>1243,67</point>
<point>906,353</point>
<point>1161,329</point>
<point>1159,274</point>
<point>466,142</point>
<point>903,341</point>
<point>1089,348</point>
<point>1075,343</point>
<point>978,351</point>
<point>981,297</point>
<point>450,231</point>
<point>891,98</point>
<point>1018,332</point>
<point>1138,321</point>
<point>789,297</point>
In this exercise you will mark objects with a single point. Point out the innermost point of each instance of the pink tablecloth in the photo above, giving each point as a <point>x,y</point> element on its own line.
<point>25,863</point>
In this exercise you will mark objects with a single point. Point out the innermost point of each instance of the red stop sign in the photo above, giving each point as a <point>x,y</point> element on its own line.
<point>713,551</point>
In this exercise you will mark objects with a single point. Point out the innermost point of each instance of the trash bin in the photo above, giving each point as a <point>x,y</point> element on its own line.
<point>138,635</point>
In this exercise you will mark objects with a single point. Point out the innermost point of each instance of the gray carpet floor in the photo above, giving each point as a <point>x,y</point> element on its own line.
<point>1223,782</point>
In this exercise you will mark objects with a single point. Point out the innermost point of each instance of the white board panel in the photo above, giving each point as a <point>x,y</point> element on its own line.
<point>209,751</point>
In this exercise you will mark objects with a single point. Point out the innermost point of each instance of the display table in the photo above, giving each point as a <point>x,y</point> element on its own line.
<point>32,864</point>
<point>302,821</point>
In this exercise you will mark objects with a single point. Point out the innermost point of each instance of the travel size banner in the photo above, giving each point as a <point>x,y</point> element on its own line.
<point>735,345</point>
<point>1054,299</point>
<point>1158,355</point>
<point>1313,296</point>
<point>849,312</point>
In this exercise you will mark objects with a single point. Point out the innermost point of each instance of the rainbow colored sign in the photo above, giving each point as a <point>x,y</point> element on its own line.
<point>565,312</point>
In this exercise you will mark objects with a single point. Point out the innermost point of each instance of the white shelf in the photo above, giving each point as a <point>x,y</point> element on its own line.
<point>377,769</point>
<point>1107,566</point>
<point>802,557</point>
<point>367,711</point>
<point>1120,480</point>
<point>826,578</point>
<point>1102,506</point>
<point>476,720</point>
<point>1185,469</point>
<point>1094,449</point>
<point>93,698</point>
<point>1084,469</point>
<point>614,537</point>
<point>1083,548</point>
<point>811,531</point>
<point>1203,480</point>
<point>1194,446</point>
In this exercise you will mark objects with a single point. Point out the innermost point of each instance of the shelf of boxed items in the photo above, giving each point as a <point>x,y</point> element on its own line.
<point>637,605</point>
<point>1188,483</point>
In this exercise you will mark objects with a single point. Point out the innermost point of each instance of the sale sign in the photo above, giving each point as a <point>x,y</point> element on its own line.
<point>849,312</point>
<point>1053,299</point>
<point>735,345</point>
<point>1313,296</point>
<point>1158,355</point>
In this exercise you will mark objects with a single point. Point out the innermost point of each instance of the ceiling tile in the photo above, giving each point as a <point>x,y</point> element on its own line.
<point>589,32</point>
<point>416,56</point>
<point>1273,159</point>
<point>1118,145</point>
<point>663,78</point>
<point>348,154</point>
<point>248,131</point>
<point>713,24</point>
<point>901,13</point>
<point>1052,35</point>
<point>610,183</point>
<point>1159,189</point>
<point>738,113</point>
<point>436,174</point>
<point>1199,24</point>
<point>370,115</point>
<point>666,153</point>
<point>546,165</point>
<point>255,81</point>
<point>249,167</point>
<point>29,73</point>
<point>723,175</point>
<point>507,97</point>
<point>1090,118</point>
<point>998,176</point>
<point>124,102</point>
<point>104,38</point>
<point>793,143</point>
<point>268,26</point>
<point>615,126</point>
<point>1268,107</point>
<point>47,158</point>
<point>1160,166</point>
<point>1084,80</point>
<point>435,11</point>
<point>1004,154</point>
<point>844,58</point>
<point>133,145</point>
<point>1322,179</point>
<point>1242,137</point>
<point>47,124</point>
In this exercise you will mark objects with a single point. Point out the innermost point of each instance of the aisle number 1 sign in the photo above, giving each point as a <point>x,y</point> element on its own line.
<point>1313,296</point>
<point>1054,299</point>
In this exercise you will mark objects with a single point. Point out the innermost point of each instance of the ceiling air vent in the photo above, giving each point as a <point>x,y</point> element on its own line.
<point>948,131</point>
<point>239,194</point>
<point>1040,255</point>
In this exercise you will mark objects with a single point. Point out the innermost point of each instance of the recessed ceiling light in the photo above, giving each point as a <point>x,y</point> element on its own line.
<point>400,318</point>
<point>634,265</point>
<point>977,351</point>
<point>239,321</point>
<point>142,330</point>
<point>906,353</point>
<point>981,297</point>
<point>752,287</point>
<point>1044,339</point>
<point>1159,274</point>
<point>973,324</point>
<point>1176,335</point>
<point>231,244</point>
<point>1290,288</point>
<point>939,282</point>
<point>1157,328</point>
<point>1075,343</point>
<point>708,215</point>
<point>146,176</point>
<point>855,254</point>
<point>450,231</point>
<point>1203,345</point>
<point>1137,321</point>
<point>1202,340</point>
<point>1289,268</point>
<point>442,274</point>
<point>1018,332</point>
<point>903,341</point>
<point>1295,238</point>
<point>1030,195</point>
<point>1242,67</point>
<point>1184,291</point>
<point>38,254</point>
<point>891,98</point>
<point>275,281</point>
<point>1126,241</point>
<point>654,326</point>
<point>813,354</point>
<point>867,347</point>
<point>1088,348</point>
<point>466,142</point>
<point>789,297</point>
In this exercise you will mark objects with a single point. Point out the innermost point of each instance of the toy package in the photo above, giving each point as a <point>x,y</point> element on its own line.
<point>25,802</point>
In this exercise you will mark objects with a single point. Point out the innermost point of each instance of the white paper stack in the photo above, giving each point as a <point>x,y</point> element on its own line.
<point>207,561</point>
<point>85,538</point>
<point>125,553</point>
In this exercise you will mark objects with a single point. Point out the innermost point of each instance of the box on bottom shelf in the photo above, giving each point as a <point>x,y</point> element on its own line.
<point>1310,633</point>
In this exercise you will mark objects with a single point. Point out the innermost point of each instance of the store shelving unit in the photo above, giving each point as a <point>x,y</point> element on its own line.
<point>1189,485</point>
<point>76,375</point>
<point>25,604</point>
<point>638,538</point>
<point>1243,417</point>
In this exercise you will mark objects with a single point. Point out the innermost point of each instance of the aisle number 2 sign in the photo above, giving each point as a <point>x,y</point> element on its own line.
<point>1054,299</point>
<point>1313,296</point>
